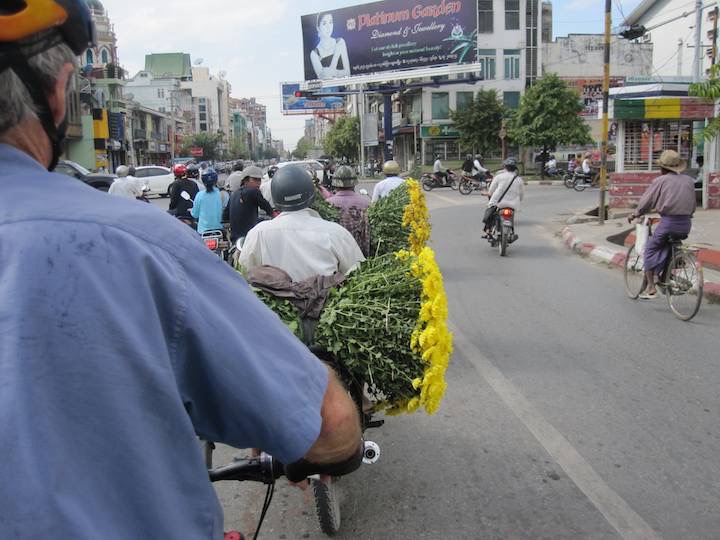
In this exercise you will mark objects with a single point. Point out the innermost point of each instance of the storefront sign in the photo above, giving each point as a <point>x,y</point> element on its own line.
<point>196,151</point>
<point>387,36</point>
<point>444,131</point>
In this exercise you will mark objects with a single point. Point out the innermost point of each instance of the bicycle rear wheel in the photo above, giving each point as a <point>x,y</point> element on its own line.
<point>684,285</point>
<point>634,273</point>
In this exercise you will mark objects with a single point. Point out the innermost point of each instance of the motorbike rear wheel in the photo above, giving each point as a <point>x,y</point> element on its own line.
<point>503,241</point>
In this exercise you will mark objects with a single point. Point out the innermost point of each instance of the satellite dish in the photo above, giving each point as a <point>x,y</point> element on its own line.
<point>199,61</point>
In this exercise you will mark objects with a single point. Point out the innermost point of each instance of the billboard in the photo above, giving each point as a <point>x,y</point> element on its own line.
<point>591,93</point>
<point>388,36</point>
<point>308,105</point>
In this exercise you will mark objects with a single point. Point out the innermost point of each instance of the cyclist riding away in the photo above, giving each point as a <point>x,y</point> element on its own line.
<point>672,195</point>
<point>111,360</point>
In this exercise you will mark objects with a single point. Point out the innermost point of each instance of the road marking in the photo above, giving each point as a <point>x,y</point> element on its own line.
<point>615,509</point>
<point>446,199</point>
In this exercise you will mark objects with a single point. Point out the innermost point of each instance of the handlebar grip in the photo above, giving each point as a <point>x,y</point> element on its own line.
<point>264,468</point>
<point>301,469</point>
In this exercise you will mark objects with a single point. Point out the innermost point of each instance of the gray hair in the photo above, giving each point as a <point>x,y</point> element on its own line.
<point>16,104</point>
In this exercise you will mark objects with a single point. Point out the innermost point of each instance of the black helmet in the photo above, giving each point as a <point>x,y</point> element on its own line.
<point>193,171</point>
<point>292,188</point>
<point>510,164</point>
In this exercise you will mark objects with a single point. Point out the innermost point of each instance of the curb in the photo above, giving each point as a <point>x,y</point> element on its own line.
<point>615,258</point>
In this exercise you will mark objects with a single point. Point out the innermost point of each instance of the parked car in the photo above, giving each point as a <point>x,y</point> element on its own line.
<point>182,161</point>
<point>101,181</point>
<point>156,178</point>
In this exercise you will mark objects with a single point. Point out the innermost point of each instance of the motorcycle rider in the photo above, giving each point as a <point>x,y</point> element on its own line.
<point>116,344</point>
<point>353,206</point>
<point>479,172</point>
<point>551,165</point>
<point>266,184</point>
<point>467,166</point>
<point>509,183</point>
<point>208,205</point>
<point>391,169</point>
<point>298,240</point>
<point>234,181</point>
<point>179,206</point>
<point>245,202</point>
<point>126,185</point>
<point>439,171</point>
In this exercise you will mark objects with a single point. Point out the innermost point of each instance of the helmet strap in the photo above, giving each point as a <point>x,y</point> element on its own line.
<point>56,134</point>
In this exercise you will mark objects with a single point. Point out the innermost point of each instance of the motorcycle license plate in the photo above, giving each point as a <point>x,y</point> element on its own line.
<point>507,222</point>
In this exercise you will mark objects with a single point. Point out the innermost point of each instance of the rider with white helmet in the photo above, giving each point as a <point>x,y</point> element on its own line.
<point>391,169</point>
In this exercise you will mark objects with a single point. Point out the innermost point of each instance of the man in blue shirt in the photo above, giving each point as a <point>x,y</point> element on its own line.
<point>113,353</point>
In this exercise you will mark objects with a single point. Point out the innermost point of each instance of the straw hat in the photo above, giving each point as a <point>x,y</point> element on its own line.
<point>671,161</point>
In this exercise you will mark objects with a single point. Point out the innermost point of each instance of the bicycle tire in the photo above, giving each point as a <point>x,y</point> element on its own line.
<point>465,188</point>
<point>684,285</point>
<point>327,505</point>
<point>634,273</point>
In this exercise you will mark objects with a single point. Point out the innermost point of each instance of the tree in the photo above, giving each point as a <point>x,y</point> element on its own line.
<point>479,124</point>
<point>271,153</point>
<point>709,89</point>
<point>207,141</point>
<point>548,116</point>
<point>343,138</point>
<point>302,149</point>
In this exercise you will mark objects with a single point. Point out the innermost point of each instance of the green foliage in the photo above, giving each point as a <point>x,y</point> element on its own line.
<point>343,138</point>
<point>326,210</point>
<point>209,142</point>
<point>270,153</point>
<point>709,89</point>
<point>548,116</point>
<point>463,44</point>
<point>302,149</point>
<point>479,124</point>
<point>387,234</point>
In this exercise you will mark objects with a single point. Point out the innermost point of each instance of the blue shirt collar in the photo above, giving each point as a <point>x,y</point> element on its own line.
<point>13,159</point>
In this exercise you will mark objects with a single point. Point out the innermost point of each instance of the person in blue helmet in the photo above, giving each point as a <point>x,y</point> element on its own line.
<point>209,204</point>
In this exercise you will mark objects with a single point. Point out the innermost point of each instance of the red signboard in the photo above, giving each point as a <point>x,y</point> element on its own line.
<point>196,151</point>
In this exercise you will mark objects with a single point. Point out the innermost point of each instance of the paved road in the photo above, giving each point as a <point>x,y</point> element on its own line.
<point>572,412</point>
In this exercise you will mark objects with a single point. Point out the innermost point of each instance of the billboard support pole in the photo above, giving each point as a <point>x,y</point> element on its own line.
<point>387,125</point>
<point>361,114</point>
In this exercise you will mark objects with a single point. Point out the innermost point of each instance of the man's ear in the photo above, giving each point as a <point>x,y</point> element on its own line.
<point>57,97</point>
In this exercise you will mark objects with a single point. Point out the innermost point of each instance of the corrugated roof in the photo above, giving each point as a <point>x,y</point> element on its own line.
<point>169,65</point>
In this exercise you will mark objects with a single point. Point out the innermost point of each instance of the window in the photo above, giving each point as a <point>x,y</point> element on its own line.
<point>464,100</point>
<point>645,140</point>
<point>511,99</point>
<point>202,108</point>
<point>440,106</point>
<point>512,63</point>
<point>203,117</point>
<point>485,16</point>
<point>104,56</point>
<point>486,57</point>
<point>512,14</point>
<point>89,57</point>
<point>203,126</point>
<point>158,93</point>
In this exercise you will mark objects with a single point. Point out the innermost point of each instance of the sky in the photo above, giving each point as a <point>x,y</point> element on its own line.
<point>259,43</point>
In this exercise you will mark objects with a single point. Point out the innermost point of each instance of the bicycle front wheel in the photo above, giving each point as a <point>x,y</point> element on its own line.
<point>327,504</point>
<point>634,273</point>
<point>465,187</point>
<point>684,285</point>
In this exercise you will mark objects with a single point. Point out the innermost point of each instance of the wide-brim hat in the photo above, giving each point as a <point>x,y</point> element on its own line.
<point>672,161</point>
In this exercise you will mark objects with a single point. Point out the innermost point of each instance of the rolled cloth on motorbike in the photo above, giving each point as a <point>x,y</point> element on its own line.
<point>308,295</point>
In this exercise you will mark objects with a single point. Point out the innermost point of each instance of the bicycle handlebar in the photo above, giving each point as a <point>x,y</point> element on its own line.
<point>264,468</point>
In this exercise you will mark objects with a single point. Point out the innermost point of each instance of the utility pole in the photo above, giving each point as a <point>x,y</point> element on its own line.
<point>606,99</point>
<point>697,57</point>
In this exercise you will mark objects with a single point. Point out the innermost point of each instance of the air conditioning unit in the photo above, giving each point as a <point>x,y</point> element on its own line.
<point>646,38</point>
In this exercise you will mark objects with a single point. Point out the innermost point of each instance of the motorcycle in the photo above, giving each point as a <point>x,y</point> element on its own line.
<point>187,219</point>
<point>581,181</point>
<point>215,241</point>
<point>431,181</point>
<point>502,232</point>
<point>468,184</point>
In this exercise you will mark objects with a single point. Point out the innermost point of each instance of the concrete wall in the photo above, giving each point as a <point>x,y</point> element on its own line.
<point>671,54</point>
<point>581,56</point>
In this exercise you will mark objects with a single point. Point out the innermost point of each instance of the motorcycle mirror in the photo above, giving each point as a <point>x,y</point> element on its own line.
<point>185,195</point>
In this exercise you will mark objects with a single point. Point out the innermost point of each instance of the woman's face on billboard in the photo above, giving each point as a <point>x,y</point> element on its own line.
<point>325,28</point>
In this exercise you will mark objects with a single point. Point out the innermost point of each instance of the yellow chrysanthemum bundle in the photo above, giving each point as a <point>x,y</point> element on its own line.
<point>416,217</point>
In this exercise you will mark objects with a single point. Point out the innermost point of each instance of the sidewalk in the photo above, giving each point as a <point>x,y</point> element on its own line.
<point>609,243</point>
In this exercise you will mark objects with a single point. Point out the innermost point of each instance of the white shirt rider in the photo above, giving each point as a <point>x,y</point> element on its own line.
<point>586,166</point>
<point>514,194</point>
<point>127,186</point>
<point>551,165</point>
<point>384,187</point>
<point>478,168</point>
<point>437,166</point>
<point>303,244</point>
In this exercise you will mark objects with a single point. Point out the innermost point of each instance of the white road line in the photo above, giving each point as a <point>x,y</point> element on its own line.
<point>616,511</point>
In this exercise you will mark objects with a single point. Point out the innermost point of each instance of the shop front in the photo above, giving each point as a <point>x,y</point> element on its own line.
<point>442,140</point>
<point>649,120</point>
